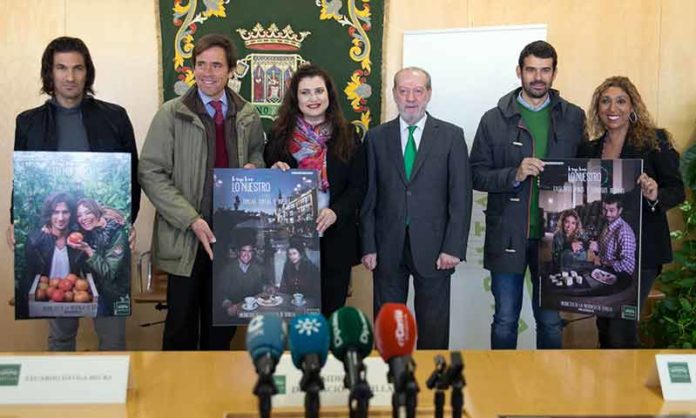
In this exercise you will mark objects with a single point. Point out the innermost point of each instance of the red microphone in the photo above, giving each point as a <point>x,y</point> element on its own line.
<point>395,338</point>
<point>395,331</point>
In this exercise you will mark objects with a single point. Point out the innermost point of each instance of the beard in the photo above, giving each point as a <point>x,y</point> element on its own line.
<point>537,94</point>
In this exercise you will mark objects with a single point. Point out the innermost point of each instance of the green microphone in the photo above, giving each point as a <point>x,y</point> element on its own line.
<point>351,342</point>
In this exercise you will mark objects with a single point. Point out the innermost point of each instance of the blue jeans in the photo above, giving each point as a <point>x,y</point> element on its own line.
<point>507,290</point>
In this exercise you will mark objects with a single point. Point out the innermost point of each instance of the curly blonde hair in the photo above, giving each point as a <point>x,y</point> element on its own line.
<point>642,133</point>
<point>561,219</point>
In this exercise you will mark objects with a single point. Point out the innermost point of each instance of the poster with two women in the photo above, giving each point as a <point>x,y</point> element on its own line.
<point>71,215</point>
<point>589,255</point>
<point>266,254</point>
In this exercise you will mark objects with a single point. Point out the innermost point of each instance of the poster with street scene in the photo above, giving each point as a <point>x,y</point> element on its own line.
<point>71,215</point>
<point>589,256</point>
<point>266,258</point>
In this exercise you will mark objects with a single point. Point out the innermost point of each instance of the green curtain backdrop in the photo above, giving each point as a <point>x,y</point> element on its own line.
<point>272,38</point>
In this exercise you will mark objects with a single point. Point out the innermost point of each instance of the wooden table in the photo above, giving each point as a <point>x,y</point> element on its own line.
<point>563,382</point>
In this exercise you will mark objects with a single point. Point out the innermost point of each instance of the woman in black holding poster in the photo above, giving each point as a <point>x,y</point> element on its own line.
<point>311,133</point>
<point>621,127</point>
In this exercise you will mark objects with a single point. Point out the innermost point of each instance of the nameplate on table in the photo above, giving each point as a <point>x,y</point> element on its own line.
<point>287,378</point>
<point>76,379</point>
<point>677,374</point>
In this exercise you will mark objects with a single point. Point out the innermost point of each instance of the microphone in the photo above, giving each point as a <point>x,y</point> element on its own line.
<point>351,341</point>
<point>395,332</point>
<point>265,342</point>
<point>309,347</point>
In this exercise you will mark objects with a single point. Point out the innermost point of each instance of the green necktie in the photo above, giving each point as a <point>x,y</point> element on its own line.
<point>410,152</point>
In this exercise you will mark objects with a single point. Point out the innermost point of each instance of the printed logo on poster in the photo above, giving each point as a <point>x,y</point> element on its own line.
<point>629,312</point>
<point>270,70</point>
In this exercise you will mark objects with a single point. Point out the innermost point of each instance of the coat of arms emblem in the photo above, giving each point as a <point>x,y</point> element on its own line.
<point>271,68</point>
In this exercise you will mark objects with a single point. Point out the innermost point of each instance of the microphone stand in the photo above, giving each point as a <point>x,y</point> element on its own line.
<point>438,380</point>
<point>265,388</point>
<point>311,383</point>
<point>360,392</point>
<point>265,385</point>
<point>455,377</point>
<point>404,398</point>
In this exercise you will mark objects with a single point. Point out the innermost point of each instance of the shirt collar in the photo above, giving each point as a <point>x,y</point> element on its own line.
<point>207,99</point>
<point>529,106</point>
<point>615,224</point>
<point>420,124</point>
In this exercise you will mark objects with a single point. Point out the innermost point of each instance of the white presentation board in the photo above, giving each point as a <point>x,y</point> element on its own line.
<point>471,70</point>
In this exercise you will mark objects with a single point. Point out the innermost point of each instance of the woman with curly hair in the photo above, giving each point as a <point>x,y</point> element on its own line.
<point>312,133</point>
<point>620,126</point>
<point>568,246</point>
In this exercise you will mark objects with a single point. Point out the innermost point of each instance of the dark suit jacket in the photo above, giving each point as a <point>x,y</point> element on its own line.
<point>340,244</point>
<point>436,201</point>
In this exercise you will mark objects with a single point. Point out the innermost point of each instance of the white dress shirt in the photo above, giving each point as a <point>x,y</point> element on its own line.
<point>417,134</point>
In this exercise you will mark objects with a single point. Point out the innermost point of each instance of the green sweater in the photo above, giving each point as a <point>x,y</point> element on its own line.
<point>537,122</point>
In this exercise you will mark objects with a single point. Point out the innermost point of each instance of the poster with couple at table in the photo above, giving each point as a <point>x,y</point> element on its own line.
<point>266,255</point>
<point>71,218</point>
<point>589,254</point>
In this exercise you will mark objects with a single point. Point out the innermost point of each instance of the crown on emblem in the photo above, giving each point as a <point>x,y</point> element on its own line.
<point>272,39</point>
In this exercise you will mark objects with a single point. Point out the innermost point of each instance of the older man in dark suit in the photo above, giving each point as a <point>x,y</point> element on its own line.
<point>416,213</point>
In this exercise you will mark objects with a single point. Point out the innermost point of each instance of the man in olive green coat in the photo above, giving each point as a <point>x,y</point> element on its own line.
<point>208,127</point>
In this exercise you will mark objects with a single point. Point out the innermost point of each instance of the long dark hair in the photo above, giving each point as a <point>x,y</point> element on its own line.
<point>342,142</point>
<point>50,204</point>
<point>65,44</point>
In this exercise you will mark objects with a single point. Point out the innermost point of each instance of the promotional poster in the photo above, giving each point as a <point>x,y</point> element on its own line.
<point>589,255</point>
<point>266,258</point>
<point>71,214</point>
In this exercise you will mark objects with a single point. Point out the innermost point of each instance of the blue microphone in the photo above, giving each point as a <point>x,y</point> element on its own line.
<point>309,347</point>
<point>265,342</point>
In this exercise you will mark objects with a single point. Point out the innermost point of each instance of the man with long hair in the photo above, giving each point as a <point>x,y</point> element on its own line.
<point>73,120</point>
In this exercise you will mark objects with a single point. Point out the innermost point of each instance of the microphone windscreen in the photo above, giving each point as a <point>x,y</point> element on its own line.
<point>308,334</point>
<point>266,334</point>
<point>350,328</point>
<point>395,331</point>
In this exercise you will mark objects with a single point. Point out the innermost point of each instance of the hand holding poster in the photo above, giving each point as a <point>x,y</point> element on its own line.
<point>266,258</point>
<point>589,256</point>
<point>71,216</point>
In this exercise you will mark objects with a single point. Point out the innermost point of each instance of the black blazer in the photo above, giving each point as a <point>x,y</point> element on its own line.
<point>347,181</point>
<point>662,165</point>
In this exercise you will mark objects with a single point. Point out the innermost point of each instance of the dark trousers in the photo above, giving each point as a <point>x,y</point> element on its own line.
<point>623,333</point>
<point>188,325</point>
<point>431,299</point>
<point>334,289</point>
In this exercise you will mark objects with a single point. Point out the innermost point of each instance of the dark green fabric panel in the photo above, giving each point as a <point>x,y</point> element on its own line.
<point>345,38</point>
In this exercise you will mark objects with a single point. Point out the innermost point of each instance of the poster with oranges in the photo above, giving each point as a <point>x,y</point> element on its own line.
<point>71,218</point>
